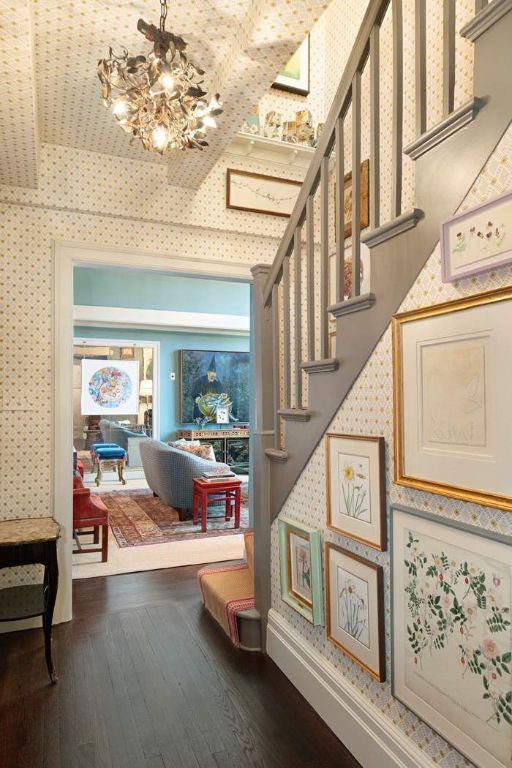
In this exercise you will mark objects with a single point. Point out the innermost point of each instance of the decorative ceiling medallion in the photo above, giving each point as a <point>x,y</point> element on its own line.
<point>159,98</point>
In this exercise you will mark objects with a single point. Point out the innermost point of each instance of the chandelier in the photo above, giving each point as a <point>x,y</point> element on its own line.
<point>159,98</point>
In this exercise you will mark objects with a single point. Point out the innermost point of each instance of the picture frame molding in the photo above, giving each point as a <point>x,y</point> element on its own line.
<point>253,175</point>
<point>400,477</point>
<point>382,512</point>
<point>314,613</point>
<point>380,673</point>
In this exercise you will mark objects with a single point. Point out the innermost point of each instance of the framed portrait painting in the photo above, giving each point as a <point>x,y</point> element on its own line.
<point>477,240</point>
<point>213,382</point>
<point>300,556</point>
<point>258,193</point>
<point>451,630</point>
<point>356,495</point>
<point>355,608</point>
<point>453,421</point>
<point>295,76</point>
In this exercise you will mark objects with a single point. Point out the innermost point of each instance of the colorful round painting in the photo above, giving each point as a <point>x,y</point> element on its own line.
<point>110,387</point>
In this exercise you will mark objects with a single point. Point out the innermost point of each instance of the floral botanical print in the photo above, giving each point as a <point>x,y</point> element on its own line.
<point>354,484</point>
<point>489,236</point>
<point>300,555</point>
<point>353,615</point>
<point>458,606</point>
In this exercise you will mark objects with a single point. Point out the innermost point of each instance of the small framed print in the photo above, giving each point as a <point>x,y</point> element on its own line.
<point>258,193</point>
<point>452,371</point>
<point>451,630</point>
<point>222,415</point>
<point>300,556</point>
<point>477,240</point>
<point>295,76</point>
<point>364,217</point>
<point>356,494</point>
<point>355,608</point>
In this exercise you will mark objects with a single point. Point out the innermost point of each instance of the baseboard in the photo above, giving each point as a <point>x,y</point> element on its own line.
<point>373,739</point>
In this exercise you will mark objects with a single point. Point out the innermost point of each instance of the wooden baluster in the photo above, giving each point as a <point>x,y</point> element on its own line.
<point>421,66</point>
<point>298,317</point>
<point>340,210</point>
<point>398,118</point>
<point>480,5</point>
<point>310,256</point>
<point>375,127</point>
<point>276,365</point>
<point>324,263</point>
<point>449,15</point>
<point>356,184</point>
<point>286,334</point>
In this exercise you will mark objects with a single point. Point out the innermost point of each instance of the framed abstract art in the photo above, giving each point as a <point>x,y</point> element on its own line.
<point>295,76</point>
<point>355,608</point>
<point>477,240</point>
<point>109,387</point>
<point>451,630</point>
<point>453,421</point>
<point>356,494</point>
<point>300,557</point>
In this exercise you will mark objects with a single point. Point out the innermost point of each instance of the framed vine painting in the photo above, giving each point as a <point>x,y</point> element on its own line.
<point>452,632</point>
<point>300,558</point>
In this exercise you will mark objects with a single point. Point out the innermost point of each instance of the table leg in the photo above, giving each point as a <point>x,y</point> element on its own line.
<point>228,506</point>
<point>98,473</point>
<point>238,499</point>
<point>120,469</point>
<point>51,581</point>
<point>195,507</point>
<point>204,510</point>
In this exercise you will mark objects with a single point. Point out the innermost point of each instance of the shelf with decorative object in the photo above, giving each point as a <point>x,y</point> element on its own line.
<point>231,446</point>
<point>271,150</point>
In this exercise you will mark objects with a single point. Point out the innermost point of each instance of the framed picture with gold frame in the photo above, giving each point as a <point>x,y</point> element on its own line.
<point>300,558</point>
<point>259,193</point>
<point>452,371</point>
<point>355,608</point>
<point>356,488</point>
<point>347,198</point>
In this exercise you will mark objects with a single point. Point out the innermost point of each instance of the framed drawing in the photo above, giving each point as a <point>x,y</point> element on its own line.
<point>295,76</point>
<point>347,198</point>
<point>256,192</point>
<point>300,557</point>
<point>110,387</point>
<point>451,630</point>
<point>355,608</point>
<point>453,421</point>
<point>211,381</point>
<point>356,492</point>
<point>477,240</point>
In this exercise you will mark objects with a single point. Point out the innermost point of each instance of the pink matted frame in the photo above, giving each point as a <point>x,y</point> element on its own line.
<point>501,260</point>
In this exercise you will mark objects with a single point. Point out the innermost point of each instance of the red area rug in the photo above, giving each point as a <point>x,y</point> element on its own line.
<point>138,518</point>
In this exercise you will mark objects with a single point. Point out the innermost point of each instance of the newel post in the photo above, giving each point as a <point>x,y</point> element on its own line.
<point>262,436</point>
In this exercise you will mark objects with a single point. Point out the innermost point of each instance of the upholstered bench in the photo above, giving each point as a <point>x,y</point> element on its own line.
<point>108,456</point>
<point>228,595</point>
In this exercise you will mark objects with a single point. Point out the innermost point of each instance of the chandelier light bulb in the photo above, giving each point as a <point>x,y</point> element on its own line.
<point>159,98</point>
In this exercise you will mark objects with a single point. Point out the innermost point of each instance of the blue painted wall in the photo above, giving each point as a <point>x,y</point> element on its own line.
<point>150,290</point>
<point>170,344</point>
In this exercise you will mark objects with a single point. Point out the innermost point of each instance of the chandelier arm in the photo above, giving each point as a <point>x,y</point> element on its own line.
<point>163,14</point>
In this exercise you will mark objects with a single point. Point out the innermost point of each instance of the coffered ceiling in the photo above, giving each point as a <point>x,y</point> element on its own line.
<point>49,91</point>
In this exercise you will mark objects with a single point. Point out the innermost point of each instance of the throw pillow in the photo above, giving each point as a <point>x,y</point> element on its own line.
<point>204,451</point>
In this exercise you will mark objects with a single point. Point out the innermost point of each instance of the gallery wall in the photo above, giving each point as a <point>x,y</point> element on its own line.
<point>368,410</point>
<point>170,344</point>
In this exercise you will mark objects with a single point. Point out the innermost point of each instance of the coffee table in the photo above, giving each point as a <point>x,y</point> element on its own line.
<point>208,493</point>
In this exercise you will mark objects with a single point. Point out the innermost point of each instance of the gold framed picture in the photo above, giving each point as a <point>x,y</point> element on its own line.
<point>452,371</point>
<point>347,198</point>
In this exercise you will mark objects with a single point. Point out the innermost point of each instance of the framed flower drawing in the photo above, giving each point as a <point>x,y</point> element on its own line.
<point>477,240</point>
<point>452,372</point>
<point>451,629</point>
<point>355,608</point>
<point>356,494</point>
<point>300,557</point>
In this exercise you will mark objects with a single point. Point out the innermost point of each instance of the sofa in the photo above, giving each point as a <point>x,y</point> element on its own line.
<point>170,471</point>
<point>113,432</point>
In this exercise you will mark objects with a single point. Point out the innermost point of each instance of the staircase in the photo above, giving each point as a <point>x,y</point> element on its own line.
<point>299,383</point>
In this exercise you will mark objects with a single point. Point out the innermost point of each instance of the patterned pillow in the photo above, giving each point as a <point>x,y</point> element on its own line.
<point>204,451</point>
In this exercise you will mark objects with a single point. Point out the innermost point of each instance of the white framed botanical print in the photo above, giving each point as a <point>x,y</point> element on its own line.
<point>300,558</point>
<point>452,631</point>
<point>355,608</point>
<point>356,495</point>
<point>453,421</point>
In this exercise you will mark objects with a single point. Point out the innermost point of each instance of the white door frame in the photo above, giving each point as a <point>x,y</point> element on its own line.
<point>90,341</point>
<point>68,255</point>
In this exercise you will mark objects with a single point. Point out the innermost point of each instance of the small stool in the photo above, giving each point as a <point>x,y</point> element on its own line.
<point>206,493</point>
<point>109,456</point>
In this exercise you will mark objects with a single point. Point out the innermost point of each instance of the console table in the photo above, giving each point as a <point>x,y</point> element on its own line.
<point>31,541</point>
<point>231,446</point>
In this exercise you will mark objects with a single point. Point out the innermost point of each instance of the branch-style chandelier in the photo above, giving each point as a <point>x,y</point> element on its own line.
<point>159,98</point>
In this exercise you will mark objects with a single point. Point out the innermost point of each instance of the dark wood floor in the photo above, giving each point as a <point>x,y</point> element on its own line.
<point>147,680</point>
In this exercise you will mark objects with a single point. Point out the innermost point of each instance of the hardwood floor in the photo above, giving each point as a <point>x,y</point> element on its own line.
<point>147,680</point>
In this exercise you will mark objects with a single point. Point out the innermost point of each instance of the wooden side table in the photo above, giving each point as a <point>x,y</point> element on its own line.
<point>205,493</point>
<point>31,541</point>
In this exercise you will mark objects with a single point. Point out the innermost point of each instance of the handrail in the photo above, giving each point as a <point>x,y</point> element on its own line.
<point>374,15</point>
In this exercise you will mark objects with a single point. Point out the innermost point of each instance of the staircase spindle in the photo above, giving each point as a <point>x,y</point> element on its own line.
<point>356,184</point>
<point>375,127</point>
<point>286,334</point>
<point>449,16</point>
<point>398,107</point>
<point>421,66</point>
<point>324,251</point>
<point>480,5</point>
<point>340,210</point>
<point>276,365</point>
<point>298,316</point>
<point>310,256</point>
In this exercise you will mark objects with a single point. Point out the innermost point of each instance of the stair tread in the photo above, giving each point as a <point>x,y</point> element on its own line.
<point>297,414</point>
<point>276,454</point>
<point>326,365</point>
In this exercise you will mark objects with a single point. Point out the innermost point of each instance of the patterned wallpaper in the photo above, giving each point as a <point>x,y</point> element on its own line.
<point>368,410</point>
